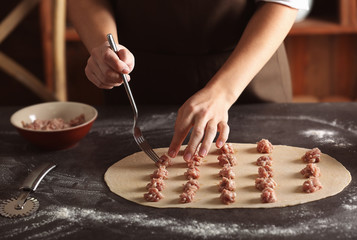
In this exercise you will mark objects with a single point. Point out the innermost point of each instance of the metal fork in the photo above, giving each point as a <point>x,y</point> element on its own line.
<point>138,136</point>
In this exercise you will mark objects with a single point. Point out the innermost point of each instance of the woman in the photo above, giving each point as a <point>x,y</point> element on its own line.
<point>204,54</point>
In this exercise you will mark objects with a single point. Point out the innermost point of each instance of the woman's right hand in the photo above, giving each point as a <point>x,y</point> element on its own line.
<point>104,66</point>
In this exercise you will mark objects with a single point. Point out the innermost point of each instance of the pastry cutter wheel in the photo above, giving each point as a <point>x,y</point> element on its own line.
<point>25,205</point>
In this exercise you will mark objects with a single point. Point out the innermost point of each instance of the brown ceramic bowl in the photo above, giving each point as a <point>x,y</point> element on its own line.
<point>54,139</point>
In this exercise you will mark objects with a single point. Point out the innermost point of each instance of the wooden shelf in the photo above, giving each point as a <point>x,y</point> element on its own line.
<point>316,26</point>
<point>71,34</point>
<point>329,17</point>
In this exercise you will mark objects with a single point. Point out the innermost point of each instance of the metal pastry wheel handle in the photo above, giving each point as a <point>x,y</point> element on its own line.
<point>24,205</point>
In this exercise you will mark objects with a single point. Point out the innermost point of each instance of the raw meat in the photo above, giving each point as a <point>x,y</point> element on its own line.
<point>312,156</point>
<point>268,195</point>
<point>54,124</point>
<point>153,195</point>
<point>264,146</point>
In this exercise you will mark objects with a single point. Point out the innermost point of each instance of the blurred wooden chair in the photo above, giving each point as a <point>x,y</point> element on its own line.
<point>52,15</point>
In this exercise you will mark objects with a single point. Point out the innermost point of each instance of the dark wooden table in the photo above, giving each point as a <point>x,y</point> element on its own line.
<point>75,202</point>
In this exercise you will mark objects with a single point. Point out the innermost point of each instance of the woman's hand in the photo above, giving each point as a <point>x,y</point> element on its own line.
<point>206,112</point>
<point>104,65</point>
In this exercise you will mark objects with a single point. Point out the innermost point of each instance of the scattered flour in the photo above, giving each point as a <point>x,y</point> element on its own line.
<point>61,222</point>
<point>350,126</point>
<point>66,221</point>
<point>349,207</point>
<point>110,127</point>
<point>350,202</point>
<point>323,136</point>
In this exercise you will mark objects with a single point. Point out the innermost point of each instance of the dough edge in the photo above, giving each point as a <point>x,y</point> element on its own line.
<point>131,186</point>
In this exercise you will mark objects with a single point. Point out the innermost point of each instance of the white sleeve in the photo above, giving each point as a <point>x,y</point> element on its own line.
<point>298,4</point>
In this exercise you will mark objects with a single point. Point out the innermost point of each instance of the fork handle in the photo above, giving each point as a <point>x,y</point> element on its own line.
<point>123,76</point>
<point>130,95</point>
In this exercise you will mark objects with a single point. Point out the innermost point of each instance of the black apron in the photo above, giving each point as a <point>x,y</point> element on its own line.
<point>179,45</point>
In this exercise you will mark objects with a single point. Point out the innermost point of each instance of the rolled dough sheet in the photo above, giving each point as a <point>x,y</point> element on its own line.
<point>129,176</point>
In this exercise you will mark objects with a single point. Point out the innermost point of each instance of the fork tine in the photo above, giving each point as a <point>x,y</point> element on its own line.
<point>150,154</point>
<point>156,157</point>
<point>149,149</point>
<point>153,155</point>
<point>144,142</point>
<point>145,146</point>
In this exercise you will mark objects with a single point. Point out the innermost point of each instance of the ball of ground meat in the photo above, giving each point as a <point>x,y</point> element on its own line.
<point>265,172</point>
<point>153,195</point>
<point>228,197</point>
<point>227,184</point>
<point>161,172</point>
<point>191,184</point>
<point>156,183</point>
<point>268,195</point>
<point>264,146</point>
<point>192,173</point>
<point>195,161</point>
<point>227,171</point>
<point>187,197</point>
<point>164,160</point>
<point>227,159</point>
<point>311,170</point>
<point>264,161</point>
<point>227,149</point>
<point>311,185</point>
<point>312,156</point>
<point>261,183</point>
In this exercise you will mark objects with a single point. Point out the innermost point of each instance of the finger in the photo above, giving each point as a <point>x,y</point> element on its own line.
<point>104,74</point>
<point>128,77</point>
<point>111,59</point>
<point>127,57</point>
<point>223,130</point>
<point>110,76</point>
<point>210,134</point>
<point>195,139</point>
<point>177,141</point>
<point>101,79</point>
<point>182,128</point>
<point>92,66</point>
<point>95,80</point>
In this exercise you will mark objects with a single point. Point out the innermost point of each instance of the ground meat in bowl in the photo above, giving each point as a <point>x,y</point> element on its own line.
<point>54,124</point>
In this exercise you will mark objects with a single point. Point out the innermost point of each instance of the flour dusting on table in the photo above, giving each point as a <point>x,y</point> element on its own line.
<point>323,136</point>
<point>66,221</point>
